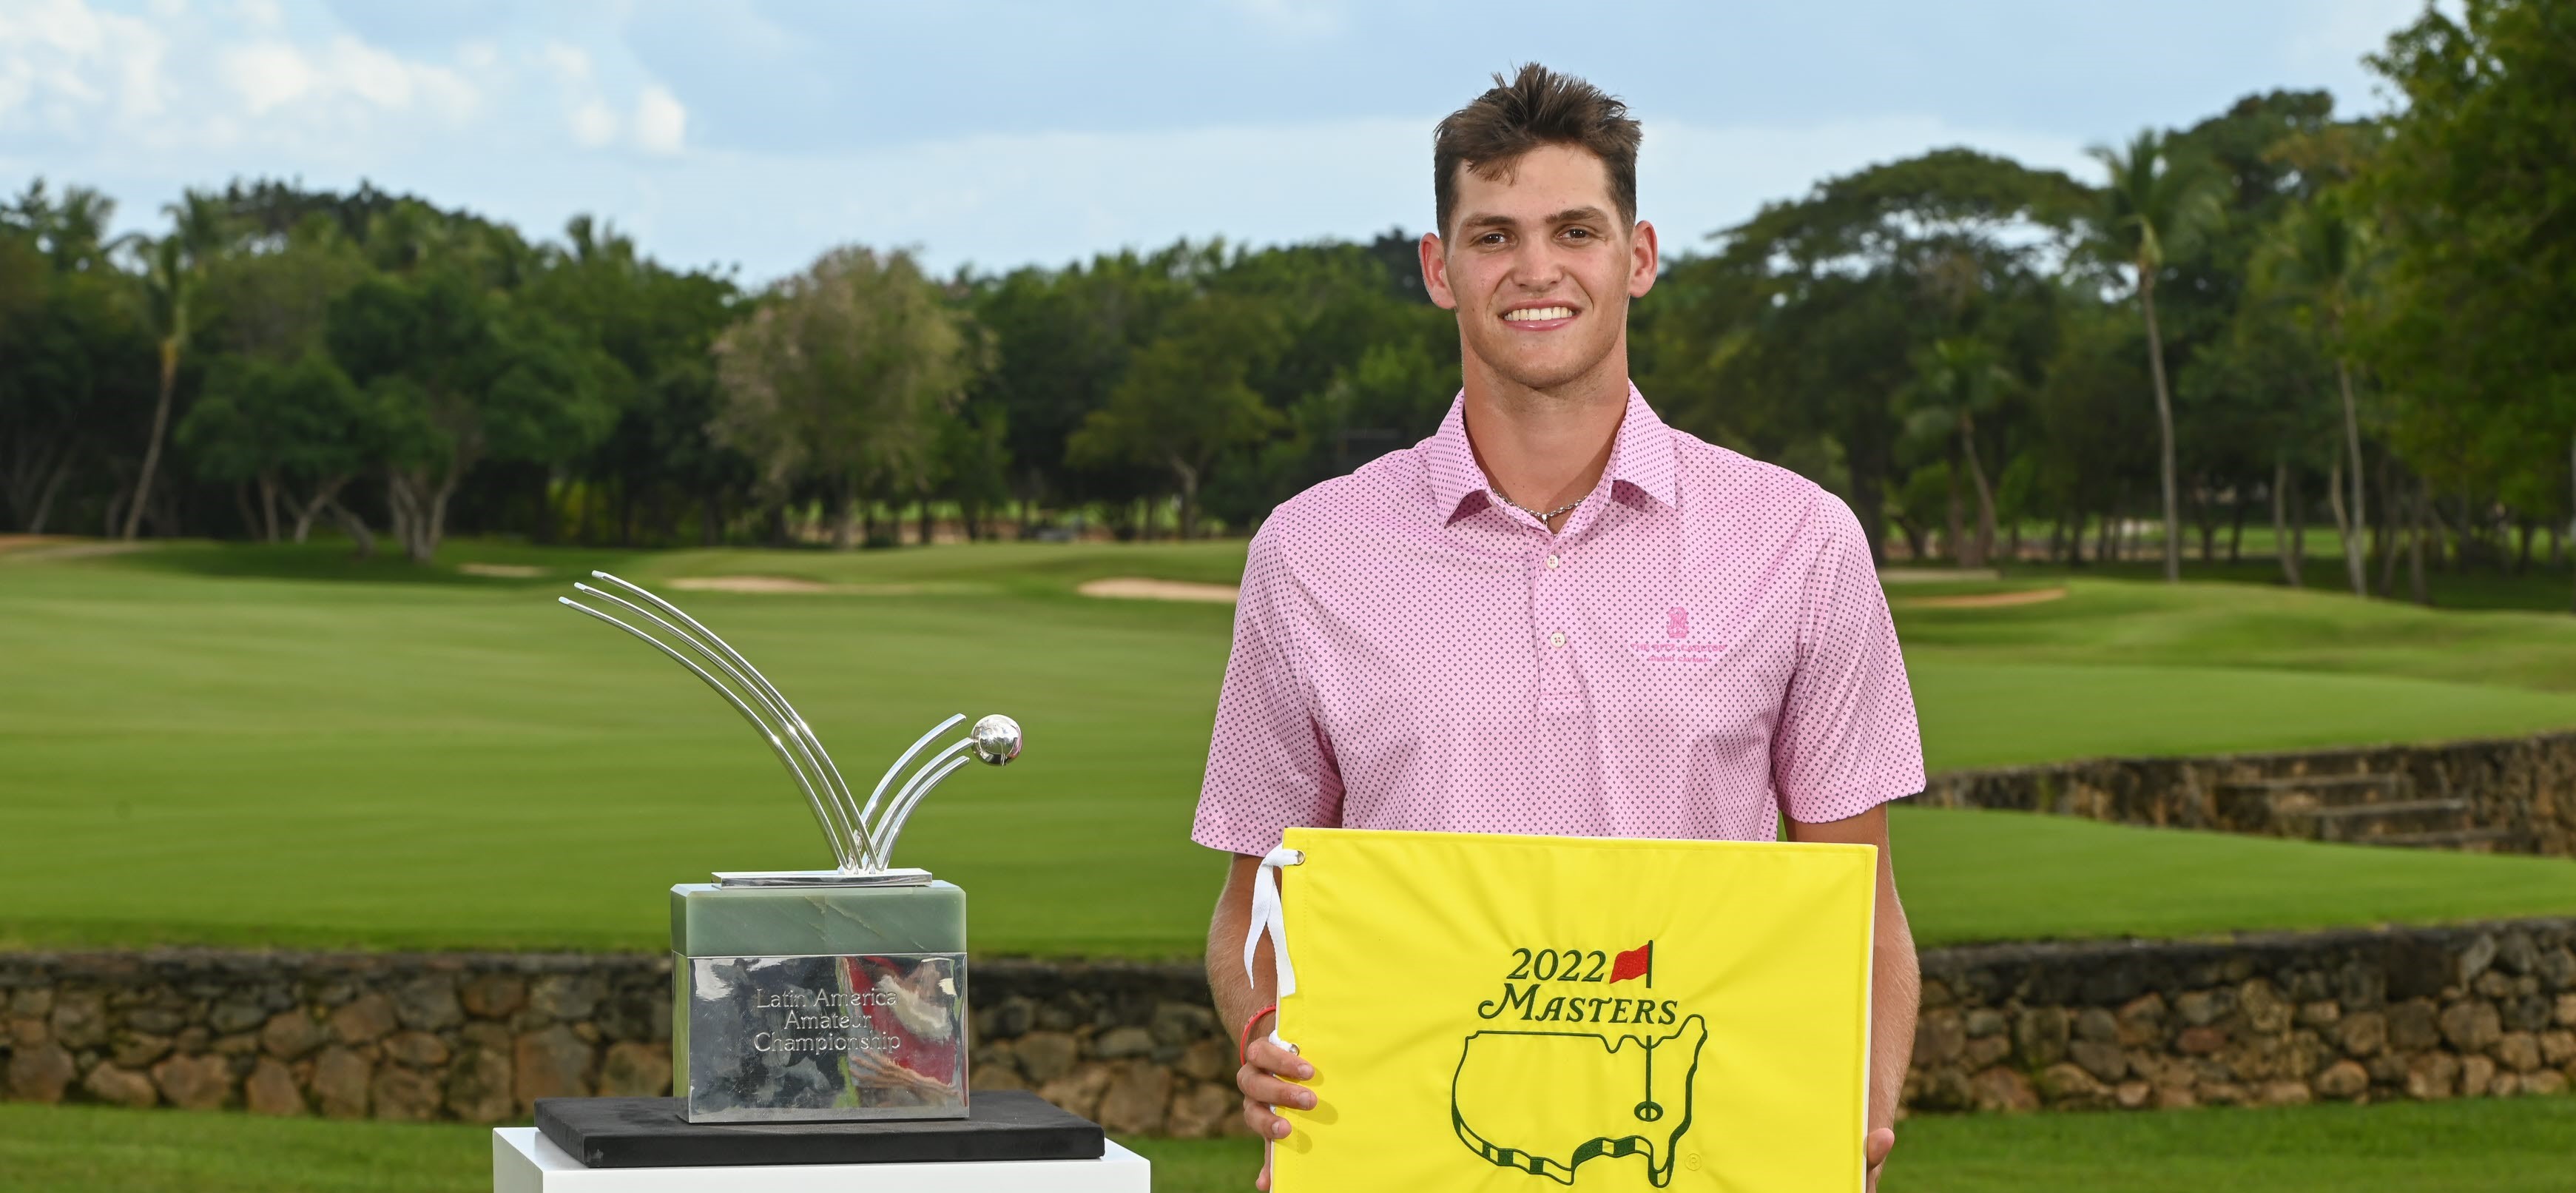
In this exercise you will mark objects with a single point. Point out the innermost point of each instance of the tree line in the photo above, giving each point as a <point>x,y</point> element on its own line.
<point>2272,315</point>
<point>285,358</point>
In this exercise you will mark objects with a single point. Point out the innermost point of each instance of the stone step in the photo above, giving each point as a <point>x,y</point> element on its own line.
<point>2290,792</point>
<point>2466,840</point>
<point>2363,822</point>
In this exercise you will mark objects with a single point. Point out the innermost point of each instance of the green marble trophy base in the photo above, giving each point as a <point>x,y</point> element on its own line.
<point>819,1003</point>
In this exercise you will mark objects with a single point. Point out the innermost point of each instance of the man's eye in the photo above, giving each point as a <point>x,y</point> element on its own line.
<point>1580,233</point>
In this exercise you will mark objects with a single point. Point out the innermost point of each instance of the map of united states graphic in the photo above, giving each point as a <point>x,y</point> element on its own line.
<point>1546,1103</point>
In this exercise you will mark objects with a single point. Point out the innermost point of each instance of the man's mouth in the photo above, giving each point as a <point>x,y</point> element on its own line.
<point>1538,315</point>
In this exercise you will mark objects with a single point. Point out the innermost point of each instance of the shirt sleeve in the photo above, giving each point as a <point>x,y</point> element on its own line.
<point>1847,739</point>
<point>1269,766</point>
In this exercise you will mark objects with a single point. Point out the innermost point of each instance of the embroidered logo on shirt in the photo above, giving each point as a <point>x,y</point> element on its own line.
<point>1676,646</point>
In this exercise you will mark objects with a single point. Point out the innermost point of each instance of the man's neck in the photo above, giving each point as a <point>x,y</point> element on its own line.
<point>1544,448</point>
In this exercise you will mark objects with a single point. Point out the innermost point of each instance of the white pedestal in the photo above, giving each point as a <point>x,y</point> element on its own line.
<point>524,1161</point>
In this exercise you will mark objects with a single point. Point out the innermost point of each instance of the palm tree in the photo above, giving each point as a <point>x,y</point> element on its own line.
<point>2153,205</point>
<point>72,231</point>
<point>2320,257</point>
<point>173,271</point>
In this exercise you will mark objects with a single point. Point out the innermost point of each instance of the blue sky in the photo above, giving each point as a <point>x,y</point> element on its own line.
<point>759,132</point>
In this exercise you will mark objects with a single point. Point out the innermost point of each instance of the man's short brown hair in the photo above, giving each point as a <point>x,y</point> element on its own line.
<point>1537,107</point>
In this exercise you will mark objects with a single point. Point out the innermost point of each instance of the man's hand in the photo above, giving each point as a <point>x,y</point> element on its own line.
<point>1873,1153</point>
<point>1268,1078</point>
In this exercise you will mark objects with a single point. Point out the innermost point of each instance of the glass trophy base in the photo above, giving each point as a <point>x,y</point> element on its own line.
<point>903,877</point>
<point>818,1003</point>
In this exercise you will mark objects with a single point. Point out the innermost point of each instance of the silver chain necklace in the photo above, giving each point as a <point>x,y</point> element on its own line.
<point>1543,519</point>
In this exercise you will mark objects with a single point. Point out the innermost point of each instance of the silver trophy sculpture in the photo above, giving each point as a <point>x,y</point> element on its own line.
<point>815,994</point>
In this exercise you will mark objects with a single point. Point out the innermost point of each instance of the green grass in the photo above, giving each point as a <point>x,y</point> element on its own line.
<point>252,745</point>
<point>1982,876</point>
<point>2541,587</point>
<point>2512,1146</point>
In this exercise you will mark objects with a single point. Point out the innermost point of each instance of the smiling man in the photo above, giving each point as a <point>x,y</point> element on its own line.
<point>1556,615</point>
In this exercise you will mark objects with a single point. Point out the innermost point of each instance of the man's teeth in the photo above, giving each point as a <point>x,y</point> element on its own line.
<point>1533,313</point>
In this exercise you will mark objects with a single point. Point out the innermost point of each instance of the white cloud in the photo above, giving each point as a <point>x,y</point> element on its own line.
<point>570,62</point>
<point>594,124</point>
<point>272,74</point>
<point>258,14</point>
<point>660,121</point>
<point>266,75</point>
<point>60,59</point>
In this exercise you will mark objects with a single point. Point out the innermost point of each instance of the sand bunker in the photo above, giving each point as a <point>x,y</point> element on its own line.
<point>746,584</point>
<point>1134,588</point>
<point>30,548</point>
<point>1936,575</point>
<point>793,584</point>
<point>505,571</point>
<point>1985,600</point>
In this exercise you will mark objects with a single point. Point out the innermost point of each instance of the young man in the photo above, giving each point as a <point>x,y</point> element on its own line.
<point>1556,615</point>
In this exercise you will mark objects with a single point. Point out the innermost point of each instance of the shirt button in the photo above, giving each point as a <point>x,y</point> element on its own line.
<point>1556,639</point>
<point>1551,563</point>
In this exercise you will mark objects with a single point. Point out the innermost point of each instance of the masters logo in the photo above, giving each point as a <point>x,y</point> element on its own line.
<point>1578,1066</point>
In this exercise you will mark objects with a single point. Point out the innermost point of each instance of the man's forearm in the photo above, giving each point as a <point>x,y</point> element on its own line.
<point>1895,994</point>
<point>1236,997</point>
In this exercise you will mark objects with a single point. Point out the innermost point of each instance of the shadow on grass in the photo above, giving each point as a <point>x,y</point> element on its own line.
<point>459,562</point>
<point>2539,589</point>
<point>1018,569</point>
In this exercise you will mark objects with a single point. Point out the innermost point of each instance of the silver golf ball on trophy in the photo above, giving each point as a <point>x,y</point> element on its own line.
<point>813,995</point>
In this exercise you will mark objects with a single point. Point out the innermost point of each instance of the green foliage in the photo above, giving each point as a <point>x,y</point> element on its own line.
<point>1185,399</point>
<point>301,430</point>
<point>1807,324</point>
<point>76,376</point>
<point>2473,188</point>
<point>2156,206</point>
<point>458,375</point>
<point>842,377</point>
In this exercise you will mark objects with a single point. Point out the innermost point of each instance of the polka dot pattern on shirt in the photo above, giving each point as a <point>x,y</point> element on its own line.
<point>1703,645</point>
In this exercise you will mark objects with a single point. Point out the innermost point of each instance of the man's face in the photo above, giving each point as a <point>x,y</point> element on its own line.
<point>1540,267</point>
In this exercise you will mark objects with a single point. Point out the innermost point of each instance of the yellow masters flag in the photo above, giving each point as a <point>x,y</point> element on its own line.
<point>1517,1014</point>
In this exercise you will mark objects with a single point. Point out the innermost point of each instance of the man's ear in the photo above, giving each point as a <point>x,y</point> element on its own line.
<point>1435,272</point>
<point>1641,267</point>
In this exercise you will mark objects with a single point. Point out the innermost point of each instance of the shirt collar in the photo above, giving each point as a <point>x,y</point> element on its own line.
<point>1641,458</point>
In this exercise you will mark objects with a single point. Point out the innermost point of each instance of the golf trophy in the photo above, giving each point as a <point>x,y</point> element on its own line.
<point>815,995</point>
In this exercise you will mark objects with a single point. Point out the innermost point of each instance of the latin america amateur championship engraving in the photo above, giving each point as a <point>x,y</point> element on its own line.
<point>815,995</point>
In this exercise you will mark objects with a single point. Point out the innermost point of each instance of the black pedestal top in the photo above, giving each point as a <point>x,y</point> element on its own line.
<point>650,1133</point>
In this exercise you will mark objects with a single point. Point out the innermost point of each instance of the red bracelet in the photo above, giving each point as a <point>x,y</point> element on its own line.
<point>1243,1047</point>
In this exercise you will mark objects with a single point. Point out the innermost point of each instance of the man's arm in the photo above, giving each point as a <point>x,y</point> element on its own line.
<point>1895,983</point>
<point>1237,996</point>
<point>1268,1076</point>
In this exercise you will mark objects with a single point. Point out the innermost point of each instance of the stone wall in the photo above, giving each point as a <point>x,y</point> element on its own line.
<point>2421,1013</point>
<point>2486,1010</point>
<point>477,1037</point>
<point>2520,790</point>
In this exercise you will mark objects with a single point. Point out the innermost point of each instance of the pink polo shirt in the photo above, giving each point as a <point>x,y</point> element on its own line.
<point>1704,645</point>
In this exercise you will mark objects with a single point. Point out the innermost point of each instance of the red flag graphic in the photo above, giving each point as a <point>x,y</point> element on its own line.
<point>1638,962</point>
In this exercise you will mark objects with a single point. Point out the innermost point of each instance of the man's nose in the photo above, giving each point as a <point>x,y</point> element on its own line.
<point>1534,267</point>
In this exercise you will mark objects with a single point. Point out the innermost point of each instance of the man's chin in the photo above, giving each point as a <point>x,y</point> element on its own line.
<point>1544,376</point>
